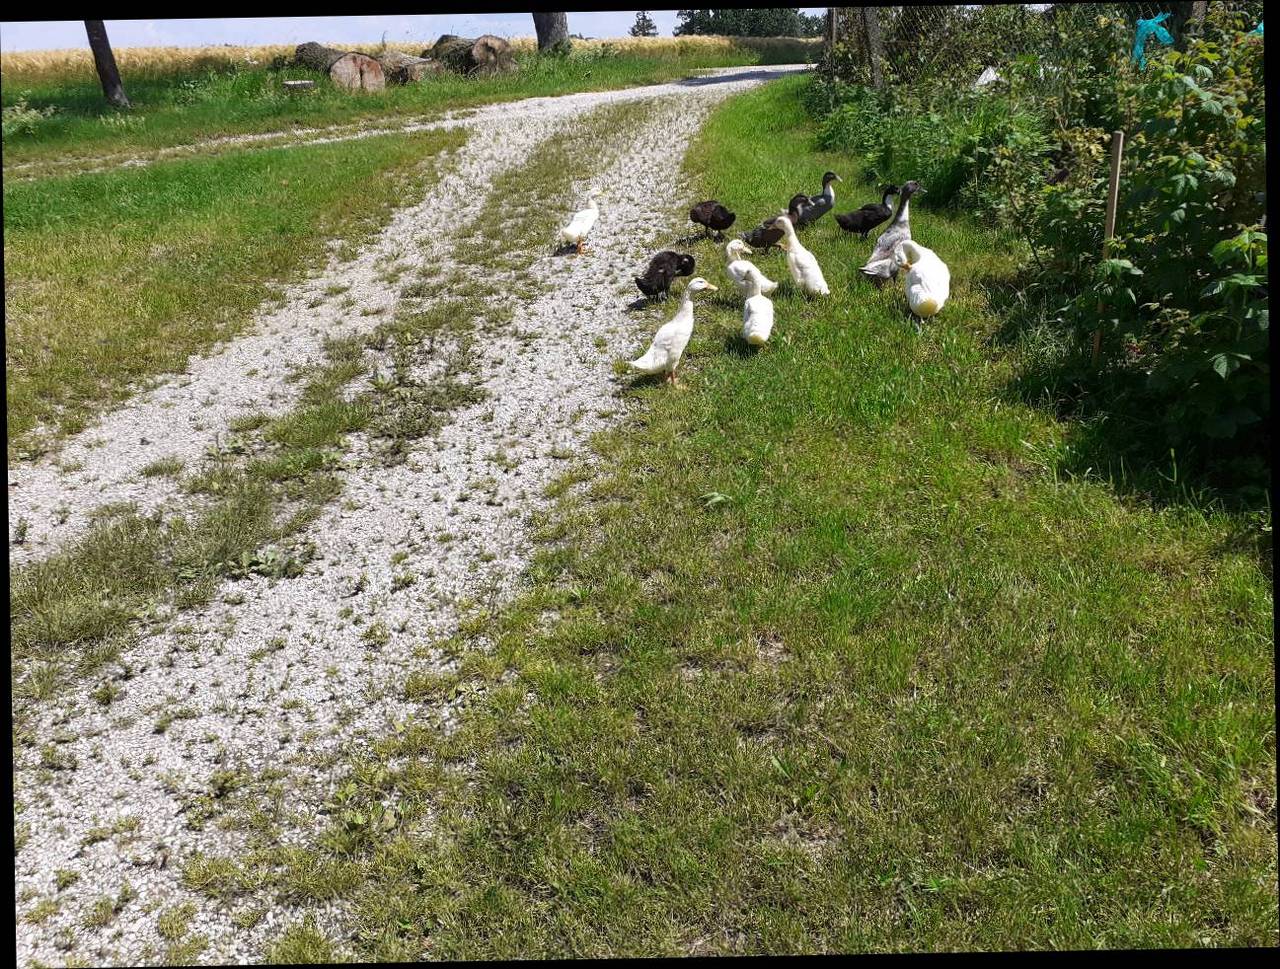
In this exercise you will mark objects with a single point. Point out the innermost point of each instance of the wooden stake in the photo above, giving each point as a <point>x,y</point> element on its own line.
<point>1109,230</point>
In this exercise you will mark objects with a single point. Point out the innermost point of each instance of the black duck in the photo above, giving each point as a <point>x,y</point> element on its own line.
<point>712,216</point>
<point>865,219</point>
<point>662,271</point>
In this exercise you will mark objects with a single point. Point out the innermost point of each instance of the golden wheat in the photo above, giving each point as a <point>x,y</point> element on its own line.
<point>43,65</point>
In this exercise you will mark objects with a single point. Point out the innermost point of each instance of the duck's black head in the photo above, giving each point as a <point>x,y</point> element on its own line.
<point>889,190</point>
<point>684,264</point>
<point>829,177</point>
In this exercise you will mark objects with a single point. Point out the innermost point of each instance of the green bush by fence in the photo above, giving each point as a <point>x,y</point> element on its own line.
<point>1181,297</point>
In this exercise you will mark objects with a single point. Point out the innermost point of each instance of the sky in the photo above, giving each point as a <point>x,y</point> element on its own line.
<point>54,34</point>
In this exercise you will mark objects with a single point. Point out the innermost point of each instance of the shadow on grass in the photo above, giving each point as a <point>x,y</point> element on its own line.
<point>1116,429</point>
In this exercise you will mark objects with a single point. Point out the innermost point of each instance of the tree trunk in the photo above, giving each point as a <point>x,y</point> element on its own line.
<point>875,45</point>
<point>1185,20</point>
<point>553,31</point>
<point>316,57</point>
<point>403,69</point>
<point>465,55</point>
<point>105,61</point>
<point>346,68</point>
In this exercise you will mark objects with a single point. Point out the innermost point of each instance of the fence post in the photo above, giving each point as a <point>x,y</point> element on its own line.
<point>875,47</point>
<point>1109,229</point>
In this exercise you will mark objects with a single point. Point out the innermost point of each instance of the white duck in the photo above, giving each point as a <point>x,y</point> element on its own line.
<point>575,233</point>
<point>669,342</point>
<point>742,271</point>
<point>804,267</point>
<point>757,315</point>
<point>880,265</point>
<point>928,278</point>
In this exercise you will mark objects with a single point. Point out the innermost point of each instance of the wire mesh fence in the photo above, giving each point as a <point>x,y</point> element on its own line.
<point>967,44</point>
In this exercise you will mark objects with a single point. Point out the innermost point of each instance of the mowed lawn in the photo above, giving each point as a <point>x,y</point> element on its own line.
<point>830,656</point>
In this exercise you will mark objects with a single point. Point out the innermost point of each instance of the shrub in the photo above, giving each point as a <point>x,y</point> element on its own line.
<point>1182,295</point>
<point>20,118</point>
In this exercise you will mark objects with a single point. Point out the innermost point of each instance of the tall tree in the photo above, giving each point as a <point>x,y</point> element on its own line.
<point>553,31</point>
<point>748,22</point>
<point>644,25</point>
<point>105,61</point>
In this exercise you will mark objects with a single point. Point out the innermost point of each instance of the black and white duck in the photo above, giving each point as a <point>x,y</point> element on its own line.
<point>880,266</point>
<point>662,271</point>
<point>865,219</point>
<point>819,205</point>
<point>712,216</point>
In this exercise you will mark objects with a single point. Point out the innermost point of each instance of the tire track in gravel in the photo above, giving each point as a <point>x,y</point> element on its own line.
<point>276,685</point>
<point>185,415</point>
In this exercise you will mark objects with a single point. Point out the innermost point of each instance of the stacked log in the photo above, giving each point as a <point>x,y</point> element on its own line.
<point>405,69</point>
<point>348,69</point>
<point>473,55</point>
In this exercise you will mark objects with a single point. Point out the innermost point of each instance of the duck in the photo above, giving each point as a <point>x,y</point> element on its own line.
<point>743,272</point>
<point>757,314</point>
<point>865,219</point>
<point>575,233</point>
<point>928,278</point>
<point>819,205</point>
<point>768,233</point>
<point>711,215</point>
<point>663,355</point>
<point>803,265</point>
<point>662,271</point>
<point>880,265</point>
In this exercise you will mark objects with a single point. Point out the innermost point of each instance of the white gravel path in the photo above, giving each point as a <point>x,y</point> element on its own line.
<point>281,675</point>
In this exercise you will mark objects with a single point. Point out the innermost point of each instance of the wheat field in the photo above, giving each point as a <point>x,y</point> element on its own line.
<point>68,63</point>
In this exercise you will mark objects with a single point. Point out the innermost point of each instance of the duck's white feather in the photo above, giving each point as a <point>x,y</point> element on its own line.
<point>663,355</point>
<point>743,273</point>
<point>928,278</point>
<point>581,224</point>
<point>803,264</point>
<point>757,319</point>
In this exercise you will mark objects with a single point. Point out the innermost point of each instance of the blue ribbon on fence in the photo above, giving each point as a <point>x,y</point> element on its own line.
<point>1149,28</point>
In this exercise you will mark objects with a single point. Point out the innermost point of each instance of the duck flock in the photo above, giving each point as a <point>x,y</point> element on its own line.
<point>928,281</point>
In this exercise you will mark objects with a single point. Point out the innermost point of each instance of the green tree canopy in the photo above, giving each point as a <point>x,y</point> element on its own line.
<point>749,22</point>
<point>644,25</point>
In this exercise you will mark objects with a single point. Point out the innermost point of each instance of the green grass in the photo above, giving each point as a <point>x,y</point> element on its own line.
<point>113,278</point>
<point>905,686</point>
<point>175,107</point>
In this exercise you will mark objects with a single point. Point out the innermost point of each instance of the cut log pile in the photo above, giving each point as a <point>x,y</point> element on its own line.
<point>348,69</point>
<point>473,55</point>
<point>405,68</point>
<point>357,71</point>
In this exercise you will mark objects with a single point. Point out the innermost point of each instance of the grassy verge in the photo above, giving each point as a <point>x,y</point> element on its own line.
<point>113,278</point>
<point>175,104</point>
<point>832,657</point>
